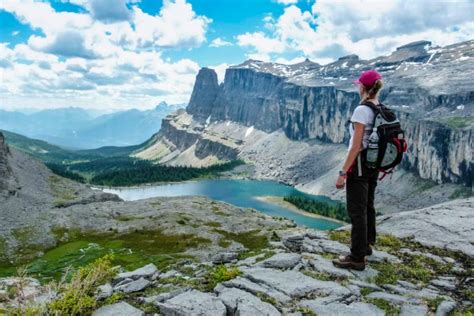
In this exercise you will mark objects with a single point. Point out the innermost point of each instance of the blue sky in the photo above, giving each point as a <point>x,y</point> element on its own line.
<point>131,53</point>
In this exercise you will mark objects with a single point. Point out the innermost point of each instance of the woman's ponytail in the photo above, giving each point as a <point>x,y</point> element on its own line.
<point>372,92</point>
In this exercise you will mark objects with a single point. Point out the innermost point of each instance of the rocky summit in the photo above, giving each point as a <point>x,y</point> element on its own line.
<point>293,275</point>
<point>290,122</point>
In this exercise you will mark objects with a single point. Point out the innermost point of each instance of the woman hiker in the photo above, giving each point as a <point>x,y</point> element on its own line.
<point>360,181</point>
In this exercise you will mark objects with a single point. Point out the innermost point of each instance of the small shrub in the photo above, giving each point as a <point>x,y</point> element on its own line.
<point>77,296</point>
<point>219,274</point>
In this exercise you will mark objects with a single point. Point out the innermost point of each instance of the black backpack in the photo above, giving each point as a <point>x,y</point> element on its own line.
<point>387,141</point>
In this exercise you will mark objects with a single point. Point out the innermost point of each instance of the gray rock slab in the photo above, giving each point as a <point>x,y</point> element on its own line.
<point>448,225</point>
<point>293,283</point>
<point>393,298</point>
<point>239,302</point>
<point>365,284</point>
<point>193,302</point>
<point>382,256</point>
<point>225,257</point>
<point>133,286</point>
<point>424,293</point>
<point>118,309</point>
<point>341,309</point>
<point>325,245</point>
<point>367,274</point>
<point>282,261</point>
<point>321,264</point>
<point>445,307</point>
<point>143,272</point>
<point>254,288</point>
<point>448,284</point>
<point>104,291</point>
<point>413,310</point>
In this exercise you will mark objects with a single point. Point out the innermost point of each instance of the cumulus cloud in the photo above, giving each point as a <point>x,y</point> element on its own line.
<point>177,25</point>
<point>110,11</point>
<point>219,42</point>
<point>67,44</point>
<point>108,54</point>
<point>261,44</point>
<point>368,28</point>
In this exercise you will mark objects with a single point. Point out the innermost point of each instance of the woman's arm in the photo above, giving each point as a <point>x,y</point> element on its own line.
<point>353,152</point>
<point>356,146</point>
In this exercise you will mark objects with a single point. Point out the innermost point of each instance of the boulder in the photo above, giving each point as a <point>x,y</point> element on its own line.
<point>243,303</point>
<point>193,302</point>
<point>143,272</point>
<point>118,309</point>
<point>293,283</point>
<point>340,309</point>
<point>282,261</point>
<point>132,286</point>
<point>104,291</point>
<point>413,310</point>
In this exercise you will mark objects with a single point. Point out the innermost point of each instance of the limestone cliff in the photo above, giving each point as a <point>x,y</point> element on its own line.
<point>430,87</point>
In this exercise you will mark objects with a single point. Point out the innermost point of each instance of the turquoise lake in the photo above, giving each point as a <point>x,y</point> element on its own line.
<point>241,193</point>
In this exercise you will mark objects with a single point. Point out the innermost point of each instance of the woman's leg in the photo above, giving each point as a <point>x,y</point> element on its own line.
<point>357,189</point>
<point>371,231</point>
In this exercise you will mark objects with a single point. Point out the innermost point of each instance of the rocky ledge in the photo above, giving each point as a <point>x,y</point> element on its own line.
<point>294,275</point>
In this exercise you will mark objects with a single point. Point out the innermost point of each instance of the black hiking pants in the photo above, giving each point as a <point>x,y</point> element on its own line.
<point>360,190</point>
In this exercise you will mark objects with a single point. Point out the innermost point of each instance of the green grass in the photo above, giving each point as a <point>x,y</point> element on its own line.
<point>219,274</point>
<point>213,224</point>
<point>342,236</point>
<point>460,193</point>
<point>385,306</point>
<point>131,250</point>
<point>250,239</point>
<point>459,121</point>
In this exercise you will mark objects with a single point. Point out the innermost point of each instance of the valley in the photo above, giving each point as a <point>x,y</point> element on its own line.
<point>201,210</point>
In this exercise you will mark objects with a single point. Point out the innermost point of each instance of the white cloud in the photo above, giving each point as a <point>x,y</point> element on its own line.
<point>335,28</point>
<point>219,42</point>
<point>103,56</point>
<point>110,11</point>
<point>220,71</point>
<point>177,25</point>
<point>261,44</point>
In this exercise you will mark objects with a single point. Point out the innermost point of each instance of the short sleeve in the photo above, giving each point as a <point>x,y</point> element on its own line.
<point>361,115</point>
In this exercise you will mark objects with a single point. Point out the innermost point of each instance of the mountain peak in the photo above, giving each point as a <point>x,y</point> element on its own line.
<point>160,105</point>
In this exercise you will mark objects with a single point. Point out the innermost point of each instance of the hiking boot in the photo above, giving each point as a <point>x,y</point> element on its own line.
<point>347,262</point>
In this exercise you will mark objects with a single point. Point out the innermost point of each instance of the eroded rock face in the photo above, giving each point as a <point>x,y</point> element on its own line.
<point>310,101</point>
<point>7,181</point>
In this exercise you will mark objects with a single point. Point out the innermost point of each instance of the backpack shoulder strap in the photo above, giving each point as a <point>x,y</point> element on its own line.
<point>375,108</point>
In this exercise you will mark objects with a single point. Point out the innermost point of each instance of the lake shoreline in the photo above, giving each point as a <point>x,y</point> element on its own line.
<point>278,200</point>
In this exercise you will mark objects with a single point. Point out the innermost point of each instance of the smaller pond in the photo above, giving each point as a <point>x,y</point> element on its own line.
<point>242,193</point>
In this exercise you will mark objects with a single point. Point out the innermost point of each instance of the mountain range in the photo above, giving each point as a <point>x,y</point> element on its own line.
<point>76,128</point>
<point>290,121</point>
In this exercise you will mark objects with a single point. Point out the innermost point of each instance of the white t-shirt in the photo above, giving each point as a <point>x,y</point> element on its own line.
<point>364,115</point>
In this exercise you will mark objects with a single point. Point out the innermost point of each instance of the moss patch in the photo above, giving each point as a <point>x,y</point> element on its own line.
<point>385,306</point>
<point>219,274</point>
<point>459,121</point>
<point>131,250</point>
<point>343,236</point>
<point>250,239</point>
<point>213,224</point>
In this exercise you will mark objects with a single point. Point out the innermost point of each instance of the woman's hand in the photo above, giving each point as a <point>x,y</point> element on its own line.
<point>340,182</point>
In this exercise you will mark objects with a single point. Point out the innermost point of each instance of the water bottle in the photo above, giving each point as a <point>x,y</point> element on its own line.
<point>373,149</point>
